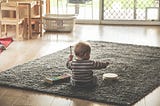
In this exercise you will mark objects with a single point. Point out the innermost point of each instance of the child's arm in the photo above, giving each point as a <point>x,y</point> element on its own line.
<point>68,64</point>
<point>107,63</point>
<point>70,58</point>
<point>99,65</point>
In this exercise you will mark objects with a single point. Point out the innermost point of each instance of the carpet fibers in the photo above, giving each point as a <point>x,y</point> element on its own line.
<point>138,68</point>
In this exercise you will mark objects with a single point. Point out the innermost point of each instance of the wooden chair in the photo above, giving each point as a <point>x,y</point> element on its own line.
<point>33,15</point>
<point>11,14</point>
<point>36,18</point>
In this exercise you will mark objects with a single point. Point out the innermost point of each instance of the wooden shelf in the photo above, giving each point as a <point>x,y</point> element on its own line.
<point>29,12</point>
<point>10,15</point>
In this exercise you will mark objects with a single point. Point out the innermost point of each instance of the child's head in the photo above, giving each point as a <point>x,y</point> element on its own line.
<point>82,50</point>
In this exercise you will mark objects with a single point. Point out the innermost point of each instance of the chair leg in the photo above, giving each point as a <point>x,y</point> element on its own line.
<point>5,29</point>
<point>24,29</point>
<point>17,31</point>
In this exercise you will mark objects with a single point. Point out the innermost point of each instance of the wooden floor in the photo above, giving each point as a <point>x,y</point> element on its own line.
<point>20,52</point>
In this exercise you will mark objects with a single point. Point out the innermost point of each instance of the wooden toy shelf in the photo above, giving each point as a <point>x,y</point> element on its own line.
<point>28,13</point>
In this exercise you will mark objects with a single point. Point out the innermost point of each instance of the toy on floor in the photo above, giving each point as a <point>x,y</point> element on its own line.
<point>62,78</point>
<point>111,76</point>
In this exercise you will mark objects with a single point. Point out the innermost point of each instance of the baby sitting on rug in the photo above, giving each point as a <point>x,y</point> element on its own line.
<point>82,66</point>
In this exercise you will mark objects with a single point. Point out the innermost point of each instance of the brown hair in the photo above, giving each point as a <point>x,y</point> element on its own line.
<point>81,49</point>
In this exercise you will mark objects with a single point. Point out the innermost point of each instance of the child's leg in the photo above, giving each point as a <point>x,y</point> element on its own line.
<point>95,80</point>
<point>82,84</point>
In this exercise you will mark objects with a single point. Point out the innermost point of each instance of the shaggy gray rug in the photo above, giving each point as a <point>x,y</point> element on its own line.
<point>138,68</point>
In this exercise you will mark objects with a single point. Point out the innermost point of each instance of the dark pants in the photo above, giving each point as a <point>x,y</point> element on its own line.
<point>85,84</point>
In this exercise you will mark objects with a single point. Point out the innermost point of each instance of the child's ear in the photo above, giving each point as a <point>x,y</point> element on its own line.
<point>86,54</point>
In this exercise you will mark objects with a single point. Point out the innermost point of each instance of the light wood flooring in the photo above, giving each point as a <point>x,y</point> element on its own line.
<point>20,52</point>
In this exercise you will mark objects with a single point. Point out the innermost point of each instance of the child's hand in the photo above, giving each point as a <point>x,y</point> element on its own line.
<point>107,63</point>
<point>70,57</point>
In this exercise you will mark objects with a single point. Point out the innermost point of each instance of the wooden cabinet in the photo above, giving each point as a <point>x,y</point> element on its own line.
<point>11,15</point>
<point>27,12</point>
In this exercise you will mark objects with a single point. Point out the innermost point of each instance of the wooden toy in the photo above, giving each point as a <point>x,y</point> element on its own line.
<point>62,78</point>
<point>71,50</point>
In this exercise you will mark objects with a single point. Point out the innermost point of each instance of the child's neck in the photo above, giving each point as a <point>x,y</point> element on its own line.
<point>78,58</point>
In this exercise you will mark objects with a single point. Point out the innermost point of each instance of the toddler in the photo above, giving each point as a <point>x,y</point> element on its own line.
<point>82,66</point>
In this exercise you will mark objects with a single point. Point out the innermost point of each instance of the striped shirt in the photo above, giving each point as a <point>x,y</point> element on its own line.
<point>82,69</point>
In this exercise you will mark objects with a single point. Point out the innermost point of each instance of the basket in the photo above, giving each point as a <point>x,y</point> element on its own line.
<point>59,22</point>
